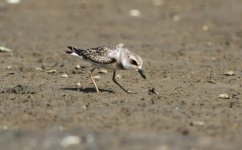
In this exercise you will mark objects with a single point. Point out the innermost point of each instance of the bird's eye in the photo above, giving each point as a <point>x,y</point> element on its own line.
<point>133,62</point>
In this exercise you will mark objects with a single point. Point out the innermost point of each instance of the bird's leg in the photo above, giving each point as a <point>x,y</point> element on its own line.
<point>93,81</point>
<point>115,81</point>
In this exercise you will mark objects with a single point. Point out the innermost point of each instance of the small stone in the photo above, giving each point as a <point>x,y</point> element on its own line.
<point>205,28</point>
<point>118,76</point>
<point>176,18</point>
<point>209,43</point>
<point>52,71</point>
<point>229,73</point>
<point>5,49</point>
<point>97,77</point>
<point>78,84</point>
<point>9,67</point>
<point>157,2</point>
<point>64,75</point>
<point>198,123</point>
<point>103,71</point>
<point>223,96</point>
<point>61,128</point>
<point>38,68</point>
<point>134,13</point>
<point>5,127</point>
<point>13,1</point>
<point>70,140</point>
<point>84,106</point>
<point>78,67</point>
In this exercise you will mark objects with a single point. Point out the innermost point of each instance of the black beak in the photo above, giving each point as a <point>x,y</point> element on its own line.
<point>141,72</point>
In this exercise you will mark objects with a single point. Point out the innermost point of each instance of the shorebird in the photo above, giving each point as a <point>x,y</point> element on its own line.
<point>109,57</point>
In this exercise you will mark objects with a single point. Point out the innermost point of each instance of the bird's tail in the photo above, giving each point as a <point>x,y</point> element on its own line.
<point>73,51</point>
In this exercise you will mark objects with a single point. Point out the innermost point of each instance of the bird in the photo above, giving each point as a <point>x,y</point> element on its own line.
<point>111,57</point>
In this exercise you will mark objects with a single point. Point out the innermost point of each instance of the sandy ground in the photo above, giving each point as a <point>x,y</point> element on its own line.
<point>187,47</point>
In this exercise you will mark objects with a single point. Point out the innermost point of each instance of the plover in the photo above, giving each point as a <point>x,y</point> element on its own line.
<point>109,57</point>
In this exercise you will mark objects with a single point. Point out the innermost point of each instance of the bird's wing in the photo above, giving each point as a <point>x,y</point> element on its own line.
<point>102,55</point>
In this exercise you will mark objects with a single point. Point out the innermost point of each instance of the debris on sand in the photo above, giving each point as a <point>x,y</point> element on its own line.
<point>197,123</point>
<point>51,71</point>
<point>13,1</point>
<point>38,68</point>
<point>176,18</point>
<point>205,28</point>
<point>78,67</point>
<point>223,96</point>
<point>157,2</point>
<point>78,84</point>
<point>9,67</point>
<point>64,75</point>
<point>70,140</point>
<point>118,76</point>
<point>229,73</point>
<point>103,71</point>
<point>5,49</point>
<point>97,77</point>
<point>152,91</point>
<point>134,13</point>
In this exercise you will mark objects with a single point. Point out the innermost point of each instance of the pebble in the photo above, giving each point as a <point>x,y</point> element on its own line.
<point>70,140</point>
<point>157,2</point>
<point>97,77</point>
<point>104,71</point>
<point>78,84</point>
<point>229,73</point>
<point>9,67</point>
<point>78,67</point>
<point>64,75</point>
<point>198,123</point>
<point>38,68</point>
<point>134,13</point>
<point>51,71</point>
<point>13,1</point>
<point>118,76</point>
<point>223,96</point>
<point>205,28</point>
<point>5,49</point>
<point>176,18</point>
<point>5,127</point>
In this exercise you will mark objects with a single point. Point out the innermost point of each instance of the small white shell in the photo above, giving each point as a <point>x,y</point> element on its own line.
<point>229,73</point>
<point>224,96</point>
<point>97,77</point>
<point>5,49</point>
<point>51,71</point>
<point>64,75</point>
<point>134,13</point>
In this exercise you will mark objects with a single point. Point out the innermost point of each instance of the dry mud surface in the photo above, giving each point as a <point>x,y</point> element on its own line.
<point>186,45</point>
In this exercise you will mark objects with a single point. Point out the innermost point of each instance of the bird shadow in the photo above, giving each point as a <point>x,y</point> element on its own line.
<point>86,90</point>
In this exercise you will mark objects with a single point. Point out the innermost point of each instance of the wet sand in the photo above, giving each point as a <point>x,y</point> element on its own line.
<point>187,47</point>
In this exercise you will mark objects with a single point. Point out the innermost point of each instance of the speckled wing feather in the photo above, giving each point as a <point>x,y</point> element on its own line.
<point>97,55</point>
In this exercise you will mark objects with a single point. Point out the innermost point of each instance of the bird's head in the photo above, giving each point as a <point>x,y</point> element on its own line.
<point>134,61</point>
